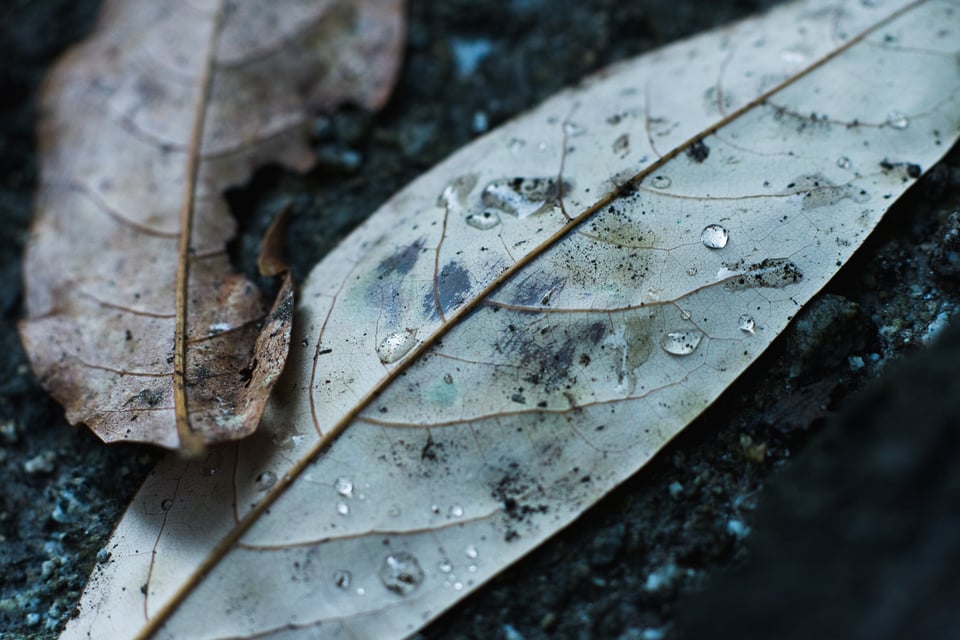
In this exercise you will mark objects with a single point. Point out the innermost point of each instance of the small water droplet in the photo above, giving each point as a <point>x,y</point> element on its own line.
<point>394,511</point>
<point>484,220</point>
<point>435,509</point>
<point>661,182</point>
<point>746,323</point>
<point>714,236</point>
<point>343,508</point>
<point>685,314</point>
<point>471,551</point>
<point>342,579</point>
<point>447,378</point>
<point>691,271</point>
<point>523,196</point>
<point>458,586</point>
<point>681,342</point>
<point>516,145</point>
<point>166,504</point>
<point>456,511</point>
<point>401,573</point>
<point>897,120</point>
<point>361,591</point>
<point>574,129</point>
<point>396,345</point>
<point>844,162</point>
<point>211,464</point>
<point>445,566</point>
<point>472,568</point>
<point>265,481</point>
<point>343,486</point>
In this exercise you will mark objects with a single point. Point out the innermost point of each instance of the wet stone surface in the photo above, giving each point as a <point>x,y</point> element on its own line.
<point>628,566</point>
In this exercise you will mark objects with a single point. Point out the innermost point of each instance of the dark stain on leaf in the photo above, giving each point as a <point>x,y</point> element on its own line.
<point>402,260</point>
<point>452,288</point>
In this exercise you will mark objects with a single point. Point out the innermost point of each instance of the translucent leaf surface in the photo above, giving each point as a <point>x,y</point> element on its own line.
<point>136,322</point>
<point>523,327</point>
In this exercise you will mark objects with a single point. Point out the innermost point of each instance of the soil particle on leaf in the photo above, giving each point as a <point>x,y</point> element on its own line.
<point>690,513</point>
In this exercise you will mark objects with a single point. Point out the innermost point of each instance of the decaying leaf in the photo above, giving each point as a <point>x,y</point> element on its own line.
<point>134,316</point>
<point>523,327</point>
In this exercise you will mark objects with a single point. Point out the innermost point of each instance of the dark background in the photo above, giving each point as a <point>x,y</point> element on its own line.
<point>798,506</point>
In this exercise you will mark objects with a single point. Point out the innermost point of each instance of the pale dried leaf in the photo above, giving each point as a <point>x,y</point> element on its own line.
<point>468,383</point>
<point>145,125</point>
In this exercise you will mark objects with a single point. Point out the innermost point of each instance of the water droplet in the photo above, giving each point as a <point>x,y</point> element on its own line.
<point>342,579</point>
<point>573,129</point>
<point>685,314</point>
<point>394,511</point>
<point>516,145</point>
<point>435,509</point>
<point>343,486</point>
<point>471,551</point>
<point>445,566</point>
<point>714,236</point>
<point>691,271</point>
<point>211,464</point>
<point>343,508</point>
<point>661,182</point>
<point>166,504</point>
<point>472,568</point>
<point>485,220</point>
<point>746,323</point>
<point>681,342</point>
<point>456,511</point>
<point>447,378</point>
<point>401,573</point>
<point>523,197</point>
<point>361,591</point>
<point>897,120</point>
<point>458,586</point>
<point>396,345</point>
<point>265,480</point>
<point>844,162</point>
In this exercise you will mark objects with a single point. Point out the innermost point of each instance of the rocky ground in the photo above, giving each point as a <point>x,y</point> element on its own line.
<point>798,506</point>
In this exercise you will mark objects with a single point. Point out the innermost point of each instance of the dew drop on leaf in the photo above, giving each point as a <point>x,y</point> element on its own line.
<point>344,486</point>
<point>445,566</point>
<point>342,579</point>
<point>401,573</point>
<point>681,342</point>
<point>456,511</point>
<point>265,481</point>
<point>897,120</point>
<point>343,508</point>
<point>714,236</point>
<point>661,182</point>
<point>396,345</point>
<point>471,551</point>
<point>484,220</point>
<point>746,323</point>
<point>844,162</point>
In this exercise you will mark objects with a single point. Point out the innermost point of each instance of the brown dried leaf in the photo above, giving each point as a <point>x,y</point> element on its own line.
<point>144,126</point>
